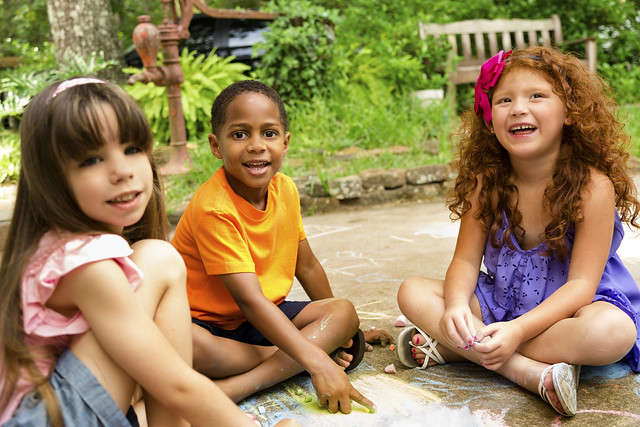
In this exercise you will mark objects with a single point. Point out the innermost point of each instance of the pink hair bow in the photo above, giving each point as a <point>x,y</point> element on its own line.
<point>489,75</point>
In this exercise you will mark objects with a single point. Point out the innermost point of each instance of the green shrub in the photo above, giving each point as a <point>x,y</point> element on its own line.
<point>204,79</point>
<point>9,156</point>
<point>20,84</point>
<point>298,50</point>
<point>624,79</point>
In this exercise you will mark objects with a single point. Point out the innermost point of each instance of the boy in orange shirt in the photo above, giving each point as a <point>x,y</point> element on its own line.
<point>242,240</point>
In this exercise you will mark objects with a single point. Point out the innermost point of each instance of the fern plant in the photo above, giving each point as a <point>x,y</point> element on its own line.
<point>204,79</point>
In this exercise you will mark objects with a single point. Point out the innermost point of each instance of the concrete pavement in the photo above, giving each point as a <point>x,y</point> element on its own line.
<point>367,253</point>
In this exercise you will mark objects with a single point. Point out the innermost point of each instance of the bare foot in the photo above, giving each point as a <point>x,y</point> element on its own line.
<point>378,336</point>
<point>551,392</point>
<point>417,354</point>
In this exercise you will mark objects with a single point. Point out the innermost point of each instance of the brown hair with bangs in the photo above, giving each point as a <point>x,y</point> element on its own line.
<point>594,139</point>
<point>57,127</point>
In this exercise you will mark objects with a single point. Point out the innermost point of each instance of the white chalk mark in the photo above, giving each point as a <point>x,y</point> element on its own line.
<point>368,315</point>
<point>368,303</point>
<point>440,230</point>
<point>402,239</point>
<point>331,230</point>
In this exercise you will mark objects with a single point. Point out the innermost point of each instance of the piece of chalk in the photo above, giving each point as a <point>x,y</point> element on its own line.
<point>401,321</point>
<point>308,399</point>
<point>390,369</point>
<point>299,391</point>
<point>392,347</point>
<point>261,409</point>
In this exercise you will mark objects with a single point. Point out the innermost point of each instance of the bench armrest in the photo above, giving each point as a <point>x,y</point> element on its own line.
<point>590,49</point>
<point>582,40</point>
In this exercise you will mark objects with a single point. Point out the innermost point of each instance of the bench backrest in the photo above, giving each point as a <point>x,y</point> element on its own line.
<point>479,39</point>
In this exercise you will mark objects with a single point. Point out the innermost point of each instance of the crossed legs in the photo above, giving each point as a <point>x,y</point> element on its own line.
<point>242,369</point>
<point>598,334</point>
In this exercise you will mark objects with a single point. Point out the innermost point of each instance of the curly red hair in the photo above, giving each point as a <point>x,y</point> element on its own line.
<point>595,139</point>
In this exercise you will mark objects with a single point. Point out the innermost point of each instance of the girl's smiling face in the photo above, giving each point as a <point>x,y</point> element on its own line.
<point>527,116</point>
<point>113,183</point>
<point>252,144</point>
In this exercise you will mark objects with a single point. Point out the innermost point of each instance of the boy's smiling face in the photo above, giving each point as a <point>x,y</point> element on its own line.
<point>252,143</point>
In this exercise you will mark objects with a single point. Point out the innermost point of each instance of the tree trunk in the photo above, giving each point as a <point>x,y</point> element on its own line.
<point>82,27</point>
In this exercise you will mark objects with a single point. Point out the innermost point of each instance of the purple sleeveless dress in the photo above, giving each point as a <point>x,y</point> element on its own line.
<point>518,280</point>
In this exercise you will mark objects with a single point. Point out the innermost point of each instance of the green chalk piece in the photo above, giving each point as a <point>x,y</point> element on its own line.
<point>308,399</point>
<point>299,391</point>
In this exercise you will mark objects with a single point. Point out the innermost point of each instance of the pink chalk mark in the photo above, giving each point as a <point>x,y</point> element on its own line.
<point>390,369</point>
<point>556,421</point>
<point>401,321</point>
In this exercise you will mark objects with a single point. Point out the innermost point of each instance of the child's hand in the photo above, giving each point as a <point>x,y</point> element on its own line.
<point>496,343</point>
<point>457,325</point>
<point>335,392</point>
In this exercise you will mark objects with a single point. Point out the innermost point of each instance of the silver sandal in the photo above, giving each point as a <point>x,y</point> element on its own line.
<point>403,349</point>
<point>565,384</point>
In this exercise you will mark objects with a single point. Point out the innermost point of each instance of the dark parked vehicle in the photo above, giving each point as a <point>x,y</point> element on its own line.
<point>227,36</point>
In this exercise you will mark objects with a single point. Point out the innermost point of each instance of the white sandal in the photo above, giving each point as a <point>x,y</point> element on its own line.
<point>565,384</point>
<point>403,349</point>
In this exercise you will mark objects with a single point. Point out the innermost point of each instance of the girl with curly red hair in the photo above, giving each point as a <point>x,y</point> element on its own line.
<point>542,192</point>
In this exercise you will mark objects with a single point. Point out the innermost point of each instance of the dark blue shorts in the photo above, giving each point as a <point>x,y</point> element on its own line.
<point>246,332</point>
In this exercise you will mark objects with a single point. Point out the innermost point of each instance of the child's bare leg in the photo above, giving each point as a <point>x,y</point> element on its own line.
<point>328,323</point>
<point>219,357</point>
<point>162,294</point>
<point>422,301</point>
<point>598,334</point>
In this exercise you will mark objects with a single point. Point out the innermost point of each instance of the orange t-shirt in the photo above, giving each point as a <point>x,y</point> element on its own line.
<point>221,233</point>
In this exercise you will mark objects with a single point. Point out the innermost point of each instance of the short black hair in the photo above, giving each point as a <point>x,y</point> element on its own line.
<point>222,101</point>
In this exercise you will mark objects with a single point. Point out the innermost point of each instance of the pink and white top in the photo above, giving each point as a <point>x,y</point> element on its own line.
<point>58,254</point>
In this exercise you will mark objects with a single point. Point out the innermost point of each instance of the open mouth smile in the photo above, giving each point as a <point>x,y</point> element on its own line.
<point>522,129</point>
<point>257,167</point>
<point>125,200</point>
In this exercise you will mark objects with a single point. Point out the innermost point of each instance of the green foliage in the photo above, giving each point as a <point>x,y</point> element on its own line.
<point>630,115</point>
<point>20,84</point>
<point>624,80</point>
<point>204,79</point>
<point>9,156</point>
<point>298,50</point>
<point>25,22</point>
<point>376,121</point>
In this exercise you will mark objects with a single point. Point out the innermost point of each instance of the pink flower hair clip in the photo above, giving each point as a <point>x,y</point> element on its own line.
<point>489,75</point>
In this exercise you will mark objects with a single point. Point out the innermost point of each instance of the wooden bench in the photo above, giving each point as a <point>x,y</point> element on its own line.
<point>477,40</point>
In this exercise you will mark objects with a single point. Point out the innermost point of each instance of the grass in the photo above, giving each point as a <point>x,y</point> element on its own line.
<point>323,145</point>
<point>340,137</point>
<point>335,138</point>
<point>630,115</point>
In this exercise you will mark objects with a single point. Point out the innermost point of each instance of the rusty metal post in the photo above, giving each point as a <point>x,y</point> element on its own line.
<point>146,38</point>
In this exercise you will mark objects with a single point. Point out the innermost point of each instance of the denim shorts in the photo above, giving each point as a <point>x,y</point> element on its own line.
<point>83,401</point>
<point>246,332</point>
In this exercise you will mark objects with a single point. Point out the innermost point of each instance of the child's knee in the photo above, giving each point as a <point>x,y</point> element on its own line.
<point>618,330</point>
<point>343,310</point>
<point>412,289</point>
<point>159,257</point>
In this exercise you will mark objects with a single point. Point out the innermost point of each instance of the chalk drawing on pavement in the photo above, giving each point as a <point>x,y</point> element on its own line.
<point>398,404</point>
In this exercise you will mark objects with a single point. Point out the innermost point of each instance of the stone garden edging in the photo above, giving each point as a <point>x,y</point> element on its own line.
<point>374,186</point>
